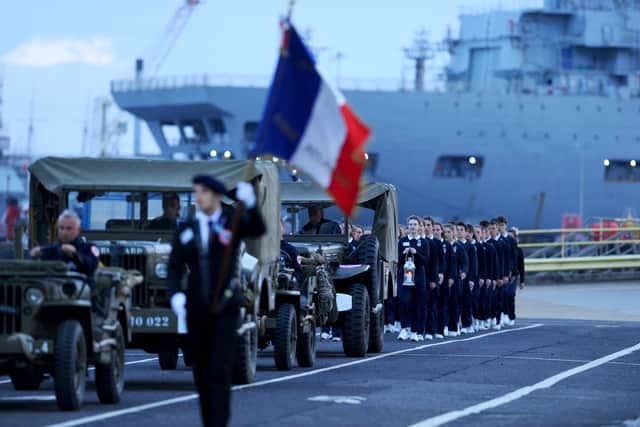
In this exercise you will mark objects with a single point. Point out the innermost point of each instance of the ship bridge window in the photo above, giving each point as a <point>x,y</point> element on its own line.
<point>622,170</point>
<point>464,167</point>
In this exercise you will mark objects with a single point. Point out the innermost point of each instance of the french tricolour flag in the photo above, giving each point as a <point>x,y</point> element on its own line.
<point>308,123</point>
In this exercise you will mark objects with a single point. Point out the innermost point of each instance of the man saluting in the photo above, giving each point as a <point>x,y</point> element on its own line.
<point>212,302</point>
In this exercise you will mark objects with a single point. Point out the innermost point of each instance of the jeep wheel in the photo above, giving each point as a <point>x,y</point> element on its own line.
<point>168,359</point>
<point>355,332</point>
<point>247,357</point>
<point>368,253</point>
<point>187,357</point>
<point>70,365</point>
<point>286,337</point>
<point>110,376</point>
<point>376,332</point>
<point>306,351</point>
<point>28,378</point>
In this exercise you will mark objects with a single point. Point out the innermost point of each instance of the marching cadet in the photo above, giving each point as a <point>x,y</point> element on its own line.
<point>503,273</point>
<point>413,298</point>
<point>444,258</point>
<point>434,278</point>
<point>510,288</point>
<point>469,281</point>
<point>520,272</point>
<point>460,266</point>
<point>488,262</point>
<point>475,233</point>
<point>212,301</point>
<point>493,268</point>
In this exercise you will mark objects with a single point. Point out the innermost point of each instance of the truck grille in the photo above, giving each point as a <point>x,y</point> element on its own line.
<point>10,300</point>
<point>129,261</point>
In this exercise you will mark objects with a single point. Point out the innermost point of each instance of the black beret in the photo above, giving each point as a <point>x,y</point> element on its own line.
<point>211,182</point>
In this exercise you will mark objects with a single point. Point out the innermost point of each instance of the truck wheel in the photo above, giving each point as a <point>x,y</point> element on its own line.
<point>70,365</point>
<point>187,357</point>
<point>376,332</point>
<point>27,379</point>
<point>368,253</point>
<point>306,351</point>
<point>168,359</point>
<point>110,377</point>
<point>247,357</point>
<point>286,337</point>
<point>355,332</point>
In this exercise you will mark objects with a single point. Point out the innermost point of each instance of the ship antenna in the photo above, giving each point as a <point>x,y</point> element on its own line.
<point>419,52</point>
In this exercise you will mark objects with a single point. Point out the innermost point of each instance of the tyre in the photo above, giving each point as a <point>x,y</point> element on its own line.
<point>286,337</point>
<point>27,379</point>
<point>187,357</point>
<point>70,365</point>
<point>376,332</point>
<point>168,359</point>
<point>368,253</point>
<point>110,377</point>
<point>356,325</point>
<point>306,351</point>
<point>244,369</point>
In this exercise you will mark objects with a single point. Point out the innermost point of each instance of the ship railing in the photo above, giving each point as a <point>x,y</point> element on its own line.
<point>435,84</point>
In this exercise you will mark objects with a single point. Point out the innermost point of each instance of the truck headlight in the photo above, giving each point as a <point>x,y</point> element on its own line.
<point>162,270</point>
<point>34,296</point>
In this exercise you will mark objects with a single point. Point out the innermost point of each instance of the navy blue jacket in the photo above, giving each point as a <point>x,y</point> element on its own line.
<point>84,261</point>
<point>420,258</point>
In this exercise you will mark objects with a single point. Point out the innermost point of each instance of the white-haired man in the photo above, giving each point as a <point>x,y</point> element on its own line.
<point>71,248</point>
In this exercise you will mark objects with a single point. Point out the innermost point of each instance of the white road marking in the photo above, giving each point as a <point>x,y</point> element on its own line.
<point>133,362</point>
<point>497,356</point>
<point>608,326</point>
<point>140,408</point>
<point>26,398</point>
<point>349,400</point>
<point>524,391</point>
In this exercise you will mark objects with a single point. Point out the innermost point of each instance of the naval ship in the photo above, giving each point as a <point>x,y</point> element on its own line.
<point>538,118</point>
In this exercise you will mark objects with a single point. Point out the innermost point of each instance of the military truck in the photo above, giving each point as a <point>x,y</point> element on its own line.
<point>362,280</point>
<point>117,200</point>
<point>49,326</point>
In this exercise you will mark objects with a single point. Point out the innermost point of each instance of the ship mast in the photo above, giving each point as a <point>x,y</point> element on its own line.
<point>420,51</point>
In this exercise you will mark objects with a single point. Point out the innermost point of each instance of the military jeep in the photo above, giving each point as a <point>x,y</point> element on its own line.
<point>49,326</point>
<point>362,280</point>
<point>117,200</point>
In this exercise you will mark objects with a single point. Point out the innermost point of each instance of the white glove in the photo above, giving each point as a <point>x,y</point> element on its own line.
<point>245,193</point>
<point>178,301</point>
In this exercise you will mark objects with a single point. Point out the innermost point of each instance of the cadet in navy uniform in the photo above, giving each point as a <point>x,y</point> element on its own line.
<point>491,260</point>
<point>477,240</point>
<point>469,281</point>
<point>212,317</point>
<point>444,259</point>
<point>460,264</point>
<point>433,277</point>
<point>413,299</point>
<point>71,248</point>
<point>510,289</point>
<point>503,273</point>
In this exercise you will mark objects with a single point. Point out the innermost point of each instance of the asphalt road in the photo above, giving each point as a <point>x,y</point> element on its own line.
<point>540,372</point>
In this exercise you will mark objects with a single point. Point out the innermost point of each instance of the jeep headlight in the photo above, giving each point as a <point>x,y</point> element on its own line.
<point>162,270</point>
<point>34,296</point>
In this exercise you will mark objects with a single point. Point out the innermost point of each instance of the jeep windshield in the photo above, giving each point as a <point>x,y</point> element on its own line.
<point>152,213</point>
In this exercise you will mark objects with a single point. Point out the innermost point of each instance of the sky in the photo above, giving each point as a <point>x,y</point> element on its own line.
<point>57,58</point>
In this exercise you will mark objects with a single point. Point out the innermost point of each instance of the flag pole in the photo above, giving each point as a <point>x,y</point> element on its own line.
<point>239,210</point>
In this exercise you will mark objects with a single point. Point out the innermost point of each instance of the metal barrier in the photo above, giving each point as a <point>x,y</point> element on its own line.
<point>611,262</point>
<point>576,242</point>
